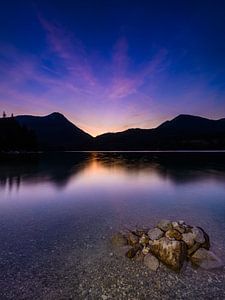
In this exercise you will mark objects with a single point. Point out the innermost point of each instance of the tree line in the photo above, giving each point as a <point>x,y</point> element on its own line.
<point>14,136</point>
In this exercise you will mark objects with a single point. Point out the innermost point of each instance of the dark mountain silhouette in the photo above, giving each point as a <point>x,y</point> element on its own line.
<point>55,132</point>
<point>185,124</point>
<point>183,132</point>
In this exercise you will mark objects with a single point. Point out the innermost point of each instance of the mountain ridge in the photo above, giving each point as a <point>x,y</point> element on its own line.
<point>182,132</point>
<point>56,132</point>
<point>165,122</point>
<point>180,116</point>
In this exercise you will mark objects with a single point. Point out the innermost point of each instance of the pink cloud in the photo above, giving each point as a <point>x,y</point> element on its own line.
<point>125,83</point>
<point>71,50</point>
<point>120,58</point>
<point>75,87</point>
<point>77,62</point>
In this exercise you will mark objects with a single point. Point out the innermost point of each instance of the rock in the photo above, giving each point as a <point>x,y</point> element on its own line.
<point>181,222</point>
<point>132,239</point>
<point>198,235</point>
<point>150,243</point>
<point>178,227</point>
<point>140,231</point>
<point>206,244</point>
<point>194,248</point>
<point>165,225</point>
<point>187,228</point>
<point>121,251</point>
<point>170,242</point>
<point>155,233</point>
<point>144,240</point>
<point>172,233</point>
<point>145,250</point>
<point>206,259</point>
<point>119,240</point>
<point>151,262</point>
<point>175,224</point>
<point>188,238</point>
<point>139,257</point>
<point>133,251</point>
<point>171,253</point>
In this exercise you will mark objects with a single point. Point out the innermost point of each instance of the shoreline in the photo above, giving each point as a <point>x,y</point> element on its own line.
<point>110,151</point>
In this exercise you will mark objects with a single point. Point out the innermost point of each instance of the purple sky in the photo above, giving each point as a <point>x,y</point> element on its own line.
<point>112,78</point>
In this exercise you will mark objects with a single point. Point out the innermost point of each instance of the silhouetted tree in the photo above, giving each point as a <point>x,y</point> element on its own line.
<point>4,114</point>
<point>14,137</point>
<point>12,115</point>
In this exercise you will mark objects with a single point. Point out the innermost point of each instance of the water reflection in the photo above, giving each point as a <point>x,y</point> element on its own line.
<point>60,168</point>
<point>56,168</point>
<point>53,205</point>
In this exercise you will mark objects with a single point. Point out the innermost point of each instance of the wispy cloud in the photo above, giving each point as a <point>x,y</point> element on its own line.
<point>71,51</point>
<point>66,78</point>
<point>97,94</point>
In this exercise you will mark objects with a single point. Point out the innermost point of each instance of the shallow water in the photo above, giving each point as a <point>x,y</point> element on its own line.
<point>58,211</point>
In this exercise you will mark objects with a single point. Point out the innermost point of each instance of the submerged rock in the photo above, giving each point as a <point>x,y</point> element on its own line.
<point>173,234</point>
<point>155,233</point>
<point>145,250</point>
<point>181,222</point>
<point>151,262</point>
<point>171,253</point>
<point>121,251</point>
<point>165,225</point>
<point>170,242</point>
<point>206,259</point>
<point>139,257</point>
<point>144,239</point>
<point>119,240</point>
<point>178,227</point>
<point>194,248</point>
<point>132,239</point>
<point>175,224</point>
<point>206,243</point>
<point>198,235</point>
<point>133,251</point>
<point>140,231</point>
<point>189,239</point>
<point>195,239</point>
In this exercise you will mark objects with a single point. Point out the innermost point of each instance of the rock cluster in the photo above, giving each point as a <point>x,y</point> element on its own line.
<point>171,243</point>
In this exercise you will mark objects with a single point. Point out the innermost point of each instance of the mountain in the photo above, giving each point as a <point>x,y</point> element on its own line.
<point>183,132</point>
<point>55,132</point>
<point>186,124</point>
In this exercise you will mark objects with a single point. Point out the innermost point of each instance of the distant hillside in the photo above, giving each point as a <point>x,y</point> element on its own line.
<point>183,132</point>
<point>55,132</point>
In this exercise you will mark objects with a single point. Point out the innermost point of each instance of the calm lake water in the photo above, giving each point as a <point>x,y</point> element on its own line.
<point>58,211</point>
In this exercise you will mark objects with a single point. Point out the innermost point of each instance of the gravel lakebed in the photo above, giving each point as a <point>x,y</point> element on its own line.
<point>89,267</point>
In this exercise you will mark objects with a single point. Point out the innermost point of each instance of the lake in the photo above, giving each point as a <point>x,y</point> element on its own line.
<point>58,212</point>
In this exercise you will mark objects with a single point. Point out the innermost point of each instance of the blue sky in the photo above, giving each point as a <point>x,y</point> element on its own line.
<point>112,65</point>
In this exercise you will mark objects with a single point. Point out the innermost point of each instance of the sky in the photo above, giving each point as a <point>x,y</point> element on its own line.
<point>110,65</point>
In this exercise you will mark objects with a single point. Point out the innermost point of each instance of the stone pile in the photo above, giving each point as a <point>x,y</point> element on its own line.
<point>170,243</point>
